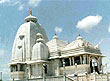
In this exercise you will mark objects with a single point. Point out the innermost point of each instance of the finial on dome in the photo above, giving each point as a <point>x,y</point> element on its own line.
<point>31,18</point>
<point>79,37</point>
<point>79,34</point>
<point>55,36</point>
<point>40,37</point>
<point>30,12</point>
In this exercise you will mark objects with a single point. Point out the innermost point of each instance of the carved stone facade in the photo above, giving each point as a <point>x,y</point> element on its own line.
<point>33,56</point>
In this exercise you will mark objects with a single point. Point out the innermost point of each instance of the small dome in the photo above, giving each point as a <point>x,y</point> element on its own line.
<point>30,18</point>
<point>40,37</point>
<point>79,37</point>
<point>40,49</point>
<point>55,37</point>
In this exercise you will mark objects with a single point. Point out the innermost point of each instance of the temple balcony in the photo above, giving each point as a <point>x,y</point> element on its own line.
<point>18,75</point>
<point>75,69</point>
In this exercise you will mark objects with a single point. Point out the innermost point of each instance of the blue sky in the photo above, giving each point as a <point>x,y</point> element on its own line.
<point>90,18</point>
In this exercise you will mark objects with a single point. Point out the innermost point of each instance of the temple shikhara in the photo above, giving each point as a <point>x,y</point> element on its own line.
<point>35,58</point>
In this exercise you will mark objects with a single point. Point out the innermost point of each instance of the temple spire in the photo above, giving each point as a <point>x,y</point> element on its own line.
<point>31,18</point>
<point>79,35</point>
<point>30,12</point>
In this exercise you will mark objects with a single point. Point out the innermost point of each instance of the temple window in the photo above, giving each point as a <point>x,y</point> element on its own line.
<point>32,20</point>
<point>15,68</point>
<point>12,68</point>
<point>45,68</point>
<point>77,60</point>
<point>22,68</point>
<point>59,53</point>
<point>67,62</point>
<point>27,21</point>
<point>61,63</point>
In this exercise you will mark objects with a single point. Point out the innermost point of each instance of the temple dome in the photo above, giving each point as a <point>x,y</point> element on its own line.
<point>39,36</point>
<point>40,50</point>
<point>30,18</point>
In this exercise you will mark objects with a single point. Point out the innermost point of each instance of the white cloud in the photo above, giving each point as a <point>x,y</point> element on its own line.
<point>89,22</point>
<point>15,3</point>
<point>34,3</point>
<point>58,29</point>
<point>109,29</point>
<point>4,1</point>
<point>21,4</point>
<point>30,3</point>
<point>21,7</point>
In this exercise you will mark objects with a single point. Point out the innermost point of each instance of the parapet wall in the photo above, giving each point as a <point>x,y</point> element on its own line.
<point>90,77</point>
<point>53,78</point>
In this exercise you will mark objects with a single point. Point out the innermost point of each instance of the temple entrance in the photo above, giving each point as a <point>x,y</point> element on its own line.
<point>94,66</point>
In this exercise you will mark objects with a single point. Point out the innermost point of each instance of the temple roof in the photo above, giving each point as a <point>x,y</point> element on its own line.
<point>79,42</point>
<point>55,44</point>
<point>78,46</point>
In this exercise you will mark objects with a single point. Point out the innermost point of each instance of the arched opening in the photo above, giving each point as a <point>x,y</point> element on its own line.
<point>94,65</point>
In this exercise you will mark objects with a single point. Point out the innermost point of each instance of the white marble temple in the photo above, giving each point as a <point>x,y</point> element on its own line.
<point>33,56</point>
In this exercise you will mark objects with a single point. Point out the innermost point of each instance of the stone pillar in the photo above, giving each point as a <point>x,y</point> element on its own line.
<point>23,49</point>
<point>94,76</point>
<point>81,59</point>
<point>18,65</point>
<point>62,61</point>
<point>99,63</point>
<point>87,59</point>
<point>57,67</point>
<point>29,71</point>
<point>84,59</point>
<point>70,61</point>
<point>40,70</point>
<point>73,60</point>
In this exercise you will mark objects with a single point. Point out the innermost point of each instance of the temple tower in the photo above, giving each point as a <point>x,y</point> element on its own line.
<point>23,44</point>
